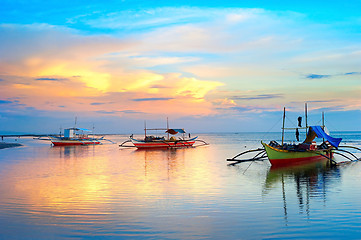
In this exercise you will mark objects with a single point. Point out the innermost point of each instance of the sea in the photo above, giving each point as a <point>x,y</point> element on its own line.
<point>108,192</point>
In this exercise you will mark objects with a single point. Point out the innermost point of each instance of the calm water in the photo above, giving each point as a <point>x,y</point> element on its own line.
<point>106,192</point>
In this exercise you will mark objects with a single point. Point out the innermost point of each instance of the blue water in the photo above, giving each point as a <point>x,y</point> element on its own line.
<point>106,192</point>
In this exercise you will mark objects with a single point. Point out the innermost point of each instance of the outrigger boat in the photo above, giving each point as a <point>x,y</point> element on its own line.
<point>162,142</point>
<point>74,136</point>
<point>308,151</point>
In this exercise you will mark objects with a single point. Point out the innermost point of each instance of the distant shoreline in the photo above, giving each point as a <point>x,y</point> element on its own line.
<point>9,145</point>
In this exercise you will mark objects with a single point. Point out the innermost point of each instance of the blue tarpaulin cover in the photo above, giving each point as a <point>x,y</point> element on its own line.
<point>83,129</point>
<point>321,134</point>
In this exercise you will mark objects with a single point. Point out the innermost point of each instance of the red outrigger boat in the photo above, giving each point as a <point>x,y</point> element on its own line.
<point>162,142</point>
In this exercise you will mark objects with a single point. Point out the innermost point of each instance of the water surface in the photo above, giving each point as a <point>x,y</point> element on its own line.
<point>103,191</point>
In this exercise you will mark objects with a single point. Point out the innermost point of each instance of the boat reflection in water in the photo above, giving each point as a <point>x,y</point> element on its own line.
<point>300,184</point>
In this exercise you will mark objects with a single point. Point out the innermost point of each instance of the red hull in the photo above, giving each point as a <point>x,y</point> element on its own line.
<point>152,145</point>
<point>295,161</point>
<point>74,143</point>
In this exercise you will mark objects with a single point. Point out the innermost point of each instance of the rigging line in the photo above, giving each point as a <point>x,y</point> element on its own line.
<point>265,134</point>
<point>248,166</point>
<point>268,132</point>
<point>333,127</point>
<point>289,119</point>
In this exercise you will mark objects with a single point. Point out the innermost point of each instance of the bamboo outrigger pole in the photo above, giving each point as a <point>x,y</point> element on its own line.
<point>283,125</point>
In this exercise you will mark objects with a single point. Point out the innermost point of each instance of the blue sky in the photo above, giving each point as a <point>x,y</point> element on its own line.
<point>207,65</point>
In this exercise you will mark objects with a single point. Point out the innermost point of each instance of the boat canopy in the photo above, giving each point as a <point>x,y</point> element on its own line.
<point>317,131</point>
<point>79,129</point>
<point>175,131</point>
<point>84,129</point>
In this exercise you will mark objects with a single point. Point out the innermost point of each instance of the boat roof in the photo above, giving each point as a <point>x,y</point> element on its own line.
<point>317,131</point>
<point>174,131</point>
<point>79,129</point>
<point>169,130</point>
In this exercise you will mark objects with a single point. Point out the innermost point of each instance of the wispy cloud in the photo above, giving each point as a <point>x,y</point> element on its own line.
<point>151,99</point>
<point>352,73</point>
<point>158,86</point>
<point>320,76</point>
<point>317,76</point>
<point>117,112</point>
<point>5,102</point>
<point>49,79</point>
<point>258,97</point>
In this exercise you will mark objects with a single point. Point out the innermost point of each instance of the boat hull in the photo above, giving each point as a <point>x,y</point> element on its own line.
<point>163,144</point>
<point>281,158</point>
<point>73,142</point>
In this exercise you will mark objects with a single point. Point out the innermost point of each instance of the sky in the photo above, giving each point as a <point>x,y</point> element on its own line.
<point>207,66</point>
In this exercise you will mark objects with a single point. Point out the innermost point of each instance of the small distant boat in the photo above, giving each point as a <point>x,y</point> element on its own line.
<point>162,142</point>
<point>74,136</point>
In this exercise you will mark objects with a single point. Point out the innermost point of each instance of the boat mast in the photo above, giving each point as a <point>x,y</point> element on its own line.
<point>283,124</point>
<point>323,124</point>
<point>168,128</point>
<point>145,130</point>
<point>306,116</point>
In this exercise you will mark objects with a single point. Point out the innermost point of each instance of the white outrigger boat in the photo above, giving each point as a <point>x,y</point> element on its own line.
<point>74,136</point>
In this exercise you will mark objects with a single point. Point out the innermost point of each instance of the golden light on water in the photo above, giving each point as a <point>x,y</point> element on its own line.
<point>72,179</point>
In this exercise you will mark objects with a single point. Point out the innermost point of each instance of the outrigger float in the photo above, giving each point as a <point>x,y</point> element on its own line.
<point>162,142</point>
<point>308,151</point>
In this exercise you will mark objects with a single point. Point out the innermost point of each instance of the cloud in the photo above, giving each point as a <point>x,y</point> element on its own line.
<point>5,102</point>
<point>333,108</point>
<point>49,79</point>
<point>131,111</point>
<point>258,97</point>
<point>323,101</point>
<point>107,112</point>
<point>158,86</point>
<point>97,103</point>
<point>117,112</point>
<point>180,54</point>
<point>247,109</point>
<point>317,76</point>
<point>151,99</point>
<point>352,73</point>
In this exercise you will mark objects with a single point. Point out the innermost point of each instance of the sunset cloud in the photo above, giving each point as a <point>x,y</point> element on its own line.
<point>178,61</point>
